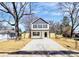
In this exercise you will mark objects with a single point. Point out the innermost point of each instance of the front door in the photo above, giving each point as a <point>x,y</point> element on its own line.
<point>45,34</point>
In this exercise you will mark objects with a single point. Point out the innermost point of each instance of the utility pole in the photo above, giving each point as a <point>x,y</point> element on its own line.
<point>30,11</point>
<point>30,17</point>
<point>30,7</point>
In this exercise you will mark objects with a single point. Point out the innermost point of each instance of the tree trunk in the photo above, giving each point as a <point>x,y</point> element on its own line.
<point>71,32</point>
<point>16,21</point>
<point>72,24</point>
<point>17,28</point>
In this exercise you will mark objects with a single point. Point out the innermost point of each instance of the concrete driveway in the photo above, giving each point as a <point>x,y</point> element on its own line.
<point>45,44</point>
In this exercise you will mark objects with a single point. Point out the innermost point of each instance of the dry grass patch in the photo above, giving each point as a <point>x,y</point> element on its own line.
<point>67,43</point>
<point>13,45</point>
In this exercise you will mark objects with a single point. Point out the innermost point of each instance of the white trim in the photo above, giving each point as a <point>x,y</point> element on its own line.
<point>41,35</point>
<point>39,28</point>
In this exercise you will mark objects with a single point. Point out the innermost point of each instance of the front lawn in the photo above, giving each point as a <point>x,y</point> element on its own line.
<point>67,43</point>
<point>12,45</point>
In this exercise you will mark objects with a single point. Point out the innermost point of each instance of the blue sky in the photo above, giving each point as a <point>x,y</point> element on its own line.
<point>47,11</point>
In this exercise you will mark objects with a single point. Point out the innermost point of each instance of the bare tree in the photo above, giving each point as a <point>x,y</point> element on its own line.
<point>71,9</point>
<point>29,18</point>
<point>52,26</point>
<point>66,28</point>
<point>16,10</point>
<point>55,27</point>
<point>58,29</point>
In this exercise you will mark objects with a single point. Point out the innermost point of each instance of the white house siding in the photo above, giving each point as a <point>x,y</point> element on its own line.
<point>41,30</point>
<point>4,36</point>
<point>35,36</point>
<point>41,34</point>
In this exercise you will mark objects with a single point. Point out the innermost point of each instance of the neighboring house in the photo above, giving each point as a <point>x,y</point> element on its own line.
<point>7,34</point>
<point>76,34</point>
<point>39,29</point>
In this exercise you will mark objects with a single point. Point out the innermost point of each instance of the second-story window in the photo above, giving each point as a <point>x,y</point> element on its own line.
<point>40,26</point>
<point>44,26</point>
<point>34,26</point>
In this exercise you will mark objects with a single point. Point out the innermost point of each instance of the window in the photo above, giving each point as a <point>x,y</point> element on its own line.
<point>36,33</point>
<point>39,26</point>
<point>34,26</point>
<point>44,26</point>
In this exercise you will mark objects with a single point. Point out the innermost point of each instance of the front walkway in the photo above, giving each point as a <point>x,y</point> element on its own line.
<point>42,45</point>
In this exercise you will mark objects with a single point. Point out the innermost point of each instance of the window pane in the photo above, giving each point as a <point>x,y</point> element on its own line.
<point>36,33</point>
<point>34,26</point>
<point>44,26</point>
<point>39,26</point>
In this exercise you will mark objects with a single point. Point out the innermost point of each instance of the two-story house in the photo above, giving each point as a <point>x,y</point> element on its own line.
<point>39,29</point>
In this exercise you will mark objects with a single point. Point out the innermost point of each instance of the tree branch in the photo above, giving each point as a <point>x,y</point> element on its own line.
<point>4,11</point>
<point>8,10</point>
<point>76,26</point>
<point>8,22</point>
<point>21,7</point>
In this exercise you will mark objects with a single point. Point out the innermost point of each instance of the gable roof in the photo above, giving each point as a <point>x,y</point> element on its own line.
<point>40,19</point>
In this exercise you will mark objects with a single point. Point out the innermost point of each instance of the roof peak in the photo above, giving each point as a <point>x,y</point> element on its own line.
<point>39,19</point>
